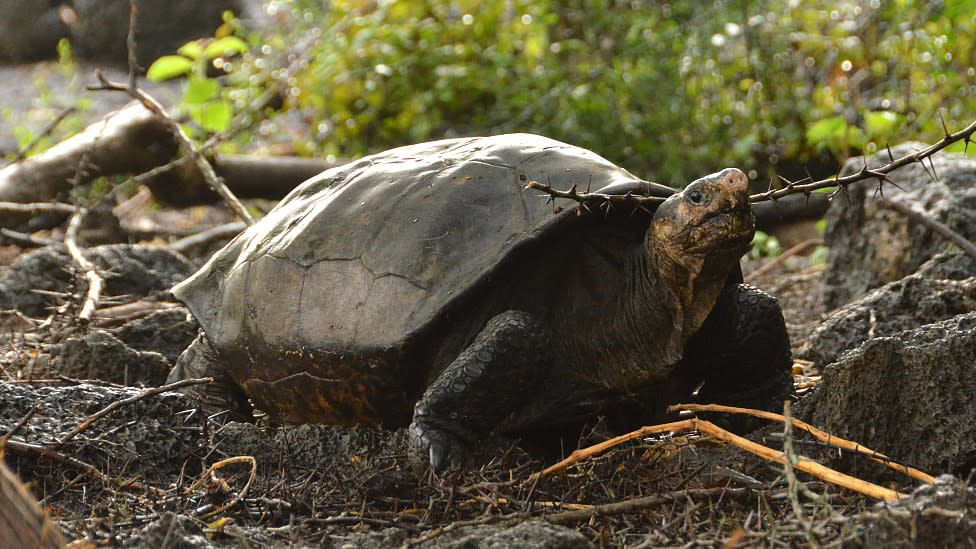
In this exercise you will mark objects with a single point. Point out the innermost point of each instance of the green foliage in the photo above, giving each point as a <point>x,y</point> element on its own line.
<point>168,67</point>
<point>765,245</point>
<point>46,106</point>
<point>669,90</point>
<point>204,98</point>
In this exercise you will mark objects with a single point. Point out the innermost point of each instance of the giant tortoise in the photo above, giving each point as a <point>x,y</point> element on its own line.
<point>427,286</point>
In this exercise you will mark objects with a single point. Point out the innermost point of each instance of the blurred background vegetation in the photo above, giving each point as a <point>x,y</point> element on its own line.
<point>670,90</point>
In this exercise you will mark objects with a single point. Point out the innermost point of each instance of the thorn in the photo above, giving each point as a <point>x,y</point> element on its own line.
<point>574,194</point>
<point>789,184</point>
<point>769,187</point>
<point>588,184</point>
<point>879,190</point>
<point>932,163</point>
<point>640,206</point>
<point>944,127</point>
<point>891,157</point>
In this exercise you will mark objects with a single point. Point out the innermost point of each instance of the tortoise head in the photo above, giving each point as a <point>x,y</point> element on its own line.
<point>710,219</point>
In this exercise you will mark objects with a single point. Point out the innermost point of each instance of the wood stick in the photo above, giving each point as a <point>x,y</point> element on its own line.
<point>822,436</point>
<point>694,424</point>
<point>95,282</point>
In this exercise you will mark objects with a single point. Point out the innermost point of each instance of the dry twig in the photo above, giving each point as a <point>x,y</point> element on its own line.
<point>95,281</point>
<point>694,424</point>
<point>793,484</point>
<point>125,401</point>
<point>932,223</point>
<point>210,475</point>
<point>794,250</point>
<point>196,156</point>
<point>817,433</point>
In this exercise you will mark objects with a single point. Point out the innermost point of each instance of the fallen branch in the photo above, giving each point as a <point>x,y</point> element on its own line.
<point>95,282</point>
<point>25,240</point>
<point>87,422</point>
<point>817,433</point>
<point>221,231</point>
<point>803,464</point>
<point>184,140</point>
<point>933,224</point>
<point>37,207</point>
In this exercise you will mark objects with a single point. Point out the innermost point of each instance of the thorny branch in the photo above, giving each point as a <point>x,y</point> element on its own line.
<point>588,200</point>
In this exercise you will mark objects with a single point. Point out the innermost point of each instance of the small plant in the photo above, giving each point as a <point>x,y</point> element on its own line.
<point>765,245</point>
<point>204,97</point>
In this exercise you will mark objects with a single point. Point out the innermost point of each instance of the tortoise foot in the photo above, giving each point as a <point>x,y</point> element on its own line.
<point>437,447</point>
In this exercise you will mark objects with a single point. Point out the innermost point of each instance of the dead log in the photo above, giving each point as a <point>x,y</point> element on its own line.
<point>23,523</point>
<point>134,141</point>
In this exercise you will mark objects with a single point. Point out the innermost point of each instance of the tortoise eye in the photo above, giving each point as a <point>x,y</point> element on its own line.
<point>696,197</point>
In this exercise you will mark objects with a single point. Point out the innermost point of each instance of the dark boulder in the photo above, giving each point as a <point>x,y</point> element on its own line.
<point>943,287</point>
<point>909,396</point>
<point>871,245</point>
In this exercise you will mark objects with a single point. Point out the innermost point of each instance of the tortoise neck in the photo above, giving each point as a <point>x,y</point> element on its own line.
<point>689,283</point>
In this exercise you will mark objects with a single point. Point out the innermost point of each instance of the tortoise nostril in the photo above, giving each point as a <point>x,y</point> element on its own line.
<point>736,180</point>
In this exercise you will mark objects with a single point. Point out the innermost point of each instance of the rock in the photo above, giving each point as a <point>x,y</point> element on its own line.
<point>129,270</point>
<point>162,26</point>
<point>150,435</point>
<point>871,245</point>
<point>167,332</point>
<point>30,30</point>
<point>909,396</point>
<point>943,287</point>
<point>100,355</point>
<point>935,516</point>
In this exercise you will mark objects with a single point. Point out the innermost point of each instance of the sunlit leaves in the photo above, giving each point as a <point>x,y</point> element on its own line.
<point>169,67</point>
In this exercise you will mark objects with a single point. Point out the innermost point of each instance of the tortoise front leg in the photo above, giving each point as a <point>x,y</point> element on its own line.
<point>742,354</point>
<point>487,382</point>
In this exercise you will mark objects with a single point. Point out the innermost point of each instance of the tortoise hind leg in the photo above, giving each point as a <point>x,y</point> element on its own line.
<point>742,354</point>
<point>199,360</point>
<point>487,381</point>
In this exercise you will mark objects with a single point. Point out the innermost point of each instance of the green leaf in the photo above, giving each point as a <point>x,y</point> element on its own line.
<point>200,90</point>
<point>826,131</point>
<point>192,50</point>
<point>880,123</point>
<point>225,46</point>
<point>169,66</point>
<point>213,116</point>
